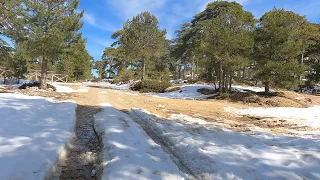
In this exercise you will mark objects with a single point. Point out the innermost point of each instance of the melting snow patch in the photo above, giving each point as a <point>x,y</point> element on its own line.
<point>247,88</point>
<point>33,132</point>
<point>131,94</point>
<point>301,116</point>
<point>212,152</point>
<point>129,152</point>
<point>66,89</point>
<point>191,91</point>
<point>186,92</point>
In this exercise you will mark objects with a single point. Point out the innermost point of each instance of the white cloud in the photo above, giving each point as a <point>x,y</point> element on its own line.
<point>104,42</point>
<point>129,8</point>
<point>91,19</point>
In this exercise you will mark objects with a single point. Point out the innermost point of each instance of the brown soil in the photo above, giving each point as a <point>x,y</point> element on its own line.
<point>165,107</point>
<point>210,110</point>
<point>278,99</point>
<point>85,152</point>
<point>51,94</point>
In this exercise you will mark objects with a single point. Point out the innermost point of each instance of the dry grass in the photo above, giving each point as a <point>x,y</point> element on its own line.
<point>278,99</point>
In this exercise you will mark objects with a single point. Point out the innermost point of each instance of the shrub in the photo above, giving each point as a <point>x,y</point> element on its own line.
<point>96,79</point>
<point>35,84</point>
<point>150,86</point>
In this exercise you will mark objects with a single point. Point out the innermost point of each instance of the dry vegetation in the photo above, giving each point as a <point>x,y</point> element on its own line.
<point>276,99</point>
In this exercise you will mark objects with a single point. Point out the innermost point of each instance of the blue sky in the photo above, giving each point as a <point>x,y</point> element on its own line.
<point>103,17</point>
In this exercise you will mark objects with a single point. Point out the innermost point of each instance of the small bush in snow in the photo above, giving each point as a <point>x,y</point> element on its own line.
<point>150,86</point>
<point>35,84</point>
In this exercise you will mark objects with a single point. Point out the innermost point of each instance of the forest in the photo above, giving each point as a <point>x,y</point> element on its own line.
<point>221,45</point>
<point>45,36</point>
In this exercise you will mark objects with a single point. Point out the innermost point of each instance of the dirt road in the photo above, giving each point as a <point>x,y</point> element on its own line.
<point>84,150</point>
<point>212,110</point>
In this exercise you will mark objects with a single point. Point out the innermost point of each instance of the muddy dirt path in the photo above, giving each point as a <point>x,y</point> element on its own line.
<point>85,149</point>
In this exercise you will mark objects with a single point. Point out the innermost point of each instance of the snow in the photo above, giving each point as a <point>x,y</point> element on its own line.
<point>212,152</point>
<point>247,88</point>
<point>186,92</point>
<point>131,94</point>
<point>300,116</point>
<point>66,89</point>
<point>13,83</point>
<point>128,152</point>
<point>191,91</point>
<point>33,132</point>
<point>118,87</point>
<point>109,85</point>
<point>103,92</point>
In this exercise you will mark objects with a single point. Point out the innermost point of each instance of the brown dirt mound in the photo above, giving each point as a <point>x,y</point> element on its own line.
<point>277,99</point>
<point>206,91</point>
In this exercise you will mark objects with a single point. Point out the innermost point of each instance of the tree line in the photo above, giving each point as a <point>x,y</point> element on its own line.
<point>45,35</point>
<point>220,45</point>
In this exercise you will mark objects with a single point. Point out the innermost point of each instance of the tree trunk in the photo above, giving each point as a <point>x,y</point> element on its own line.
<point>302,58</point>
<point>220,78</point>
<point>184,71</point>
<point>43,78</point>
<point>143,70</point>
<point>230,81</point>
<point>266,86</point>
<point>192,69</point>
<point>226,81</point>
<point>177,72</point>
<point>214,78</point>
<point>197,69</point>
<point>223,82</point>
<point>243,73</point>
<point>180,69</point>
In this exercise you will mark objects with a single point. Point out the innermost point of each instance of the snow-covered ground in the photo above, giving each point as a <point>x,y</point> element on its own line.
<point>33,132</point>
<point>186,92</point>
<point>60,88</point>
<point>247,88</point>
<point>13,84</point>
<point>191,91</point>
<point>300,116</point>
<point>109,85</point>
<point>129,153</point>
<point>212,152</point>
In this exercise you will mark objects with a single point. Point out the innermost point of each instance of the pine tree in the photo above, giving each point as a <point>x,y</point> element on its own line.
<point>225,30</point>
<point>44,29</point>
<point>142,39</point>
<point>280,38</point>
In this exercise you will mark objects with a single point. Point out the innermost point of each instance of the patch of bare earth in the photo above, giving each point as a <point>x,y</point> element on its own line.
<point>52,94</point>
<point>84,151</point>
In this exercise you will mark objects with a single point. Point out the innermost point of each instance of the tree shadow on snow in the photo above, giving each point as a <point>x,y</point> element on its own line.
<point>32,133</point>
<point>211,151</point>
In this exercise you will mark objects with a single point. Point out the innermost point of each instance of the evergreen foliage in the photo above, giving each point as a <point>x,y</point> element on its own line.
<point>46,33</point>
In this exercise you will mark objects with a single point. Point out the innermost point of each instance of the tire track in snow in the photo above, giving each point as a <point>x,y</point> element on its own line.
<point>164,145</point>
